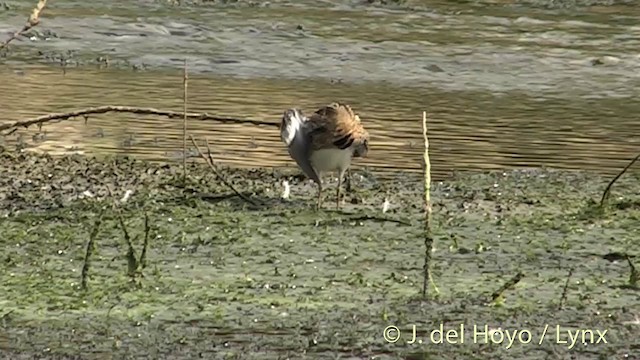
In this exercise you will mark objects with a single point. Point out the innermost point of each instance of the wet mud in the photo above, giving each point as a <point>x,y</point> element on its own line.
<point>351,41</point>
<point>274,280</point>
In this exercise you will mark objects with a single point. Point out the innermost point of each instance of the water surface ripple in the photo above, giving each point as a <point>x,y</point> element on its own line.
<point>505,86</point>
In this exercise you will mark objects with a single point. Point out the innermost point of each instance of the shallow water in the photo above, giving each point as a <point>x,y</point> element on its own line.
<point>504,85</point>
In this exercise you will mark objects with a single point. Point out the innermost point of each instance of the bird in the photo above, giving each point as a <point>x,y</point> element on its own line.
<point>326,141</point>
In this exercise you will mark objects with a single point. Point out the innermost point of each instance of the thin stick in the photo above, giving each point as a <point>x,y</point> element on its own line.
<point>209,161</point>
<point>185,80</point>
<point>353,217</point>
<point>428,238</point>
<point>90,250</point>
<point>508,285</point>
<point>563,298</point>
<point>34,19</point>
<point>143,255</point>
<point>128,109</point>
<point>605,194</point>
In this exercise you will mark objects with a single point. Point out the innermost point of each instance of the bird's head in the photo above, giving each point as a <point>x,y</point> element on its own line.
<point>292,120</point>
<point>362,149</point>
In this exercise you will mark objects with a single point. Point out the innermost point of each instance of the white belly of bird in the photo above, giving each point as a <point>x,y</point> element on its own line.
<point>331,160</point>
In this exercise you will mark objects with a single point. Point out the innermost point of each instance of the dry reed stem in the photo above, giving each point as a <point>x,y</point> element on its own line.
<point>127,109</point>
<point>185,82</point>
<point>90,249</point>
<point>33,20</point>
<point>428,237</point>
<point>606,192</point>
<point>210,162</point>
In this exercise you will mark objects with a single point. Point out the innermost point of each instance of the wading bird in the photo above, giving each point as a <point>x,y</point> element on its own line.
<point>326,141</point>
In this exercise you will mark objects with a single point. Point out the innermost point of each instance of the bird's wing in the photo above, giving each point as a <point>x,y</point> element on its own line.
<point>336,126</point>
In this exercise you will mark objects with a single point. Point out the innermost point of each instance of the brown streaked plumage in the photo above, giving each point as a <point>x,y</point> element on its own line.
<point>326,141</point>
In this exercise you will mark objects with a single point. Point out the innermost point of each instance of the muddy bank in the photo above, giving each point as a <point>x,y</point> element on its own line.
<point>547,4</point>
<point>225,279</point>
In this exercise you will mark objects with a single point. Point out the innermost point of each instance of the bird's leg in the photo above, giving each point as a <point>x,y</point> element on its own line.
<point>348,181</point>
<point>338,194</point>
<point>319,196</point>
<point>319,203</point>
<point>340,177</point>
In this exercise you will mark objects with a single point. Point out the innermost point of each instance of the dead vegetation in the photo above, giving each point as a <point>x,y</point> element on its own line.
<point>33,20</point>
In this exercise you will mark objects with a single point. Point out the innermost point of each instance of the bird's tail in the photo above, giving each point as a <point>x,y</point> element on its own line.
<point>292,121</point>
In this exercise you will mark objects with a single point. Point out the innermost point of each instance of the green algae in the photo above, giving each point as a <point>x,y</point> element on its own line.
<point>225,279</point>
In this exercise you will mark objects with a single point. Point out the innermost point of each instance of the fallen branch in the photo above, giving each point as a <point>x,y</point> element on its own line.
<point>209,161</point>
<point>605,194</point>
<point>380,219</point>
<point>352,217</point>
<point>128,109</point>
<point>34,19</point>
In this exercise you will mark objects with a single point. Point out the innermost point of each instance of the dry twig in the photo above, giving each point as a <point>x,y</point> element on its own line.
<point>605,194</point>
<point>185,81</point>
<point>354,217</point>
<point>209,160</point>
<point>34,19</point>
<point>379,219</point>
<point>127,109</point>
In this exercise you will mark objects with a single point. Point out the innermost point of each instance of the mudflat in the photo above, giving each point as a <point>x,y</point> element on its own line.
<point>225,278</point>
